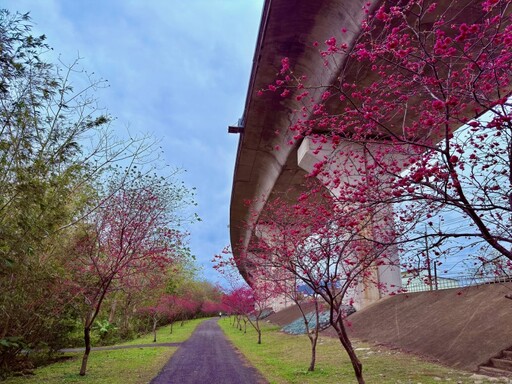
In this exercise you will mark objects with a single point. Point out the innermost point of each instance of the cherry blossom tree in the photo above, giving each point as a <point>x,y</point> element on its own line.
<point>187,307</point>
<point>241,303</point>
<point>156,314</point>
<point>422,99</point>
<point>247,302</point>
<point>328,247</point>
<point>419,117</point>
<point>281,285</point>
<point>229,300</point>
<point>133,233</point>
<point>213,308</point>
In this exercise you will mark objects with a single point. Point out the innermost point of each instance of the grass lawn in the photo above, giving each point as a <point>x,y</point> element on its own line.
<point>285,358</point>
<point>124,366</point>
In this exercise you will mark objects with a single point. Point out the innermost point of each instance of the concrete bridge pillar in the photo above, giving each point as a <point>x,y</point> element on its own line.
<point>351,157</point>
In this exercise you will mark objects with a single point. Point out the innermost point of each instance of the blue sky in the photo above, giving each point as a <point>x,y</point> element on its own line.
<point>178,70</point>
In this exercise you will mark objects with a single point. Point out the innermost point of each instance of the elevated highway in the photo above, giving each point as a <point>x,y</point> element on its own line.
<point>288,29</point>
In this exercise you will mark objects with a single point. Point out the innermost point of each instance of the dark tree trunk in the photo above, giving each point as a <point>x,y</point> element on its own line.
<point>313,340</point>
<point>87,340</point>
<point>258,330</point>
<point>155,322</point>
<point>339,326</point>
<point>89,321</point>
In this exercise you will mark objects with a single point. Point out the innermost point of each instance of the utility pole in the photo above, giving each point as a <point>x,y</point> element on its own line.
<point>435,274</point>
<point>428,262</point>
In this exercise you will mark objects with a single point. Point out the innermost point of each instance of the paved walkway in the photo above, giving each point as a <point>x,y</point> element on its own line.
<point>207,357</point>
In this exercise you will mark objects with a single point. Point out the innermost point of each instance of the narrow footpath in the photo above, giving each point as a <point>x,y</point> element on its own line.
<point>207,357</point>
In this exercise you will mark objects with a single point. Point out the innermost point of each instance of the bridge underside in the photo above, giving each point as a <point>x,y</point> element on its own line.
<point>288,29</point>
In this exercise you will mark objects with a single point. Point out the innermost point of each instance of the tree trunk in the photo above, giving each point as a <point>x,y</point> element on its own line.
<point>155,322</point>
<point>87,340</point>
<point>89,321</point>
<point>313,338</point>
<point>259,336</point>
<point>126,319</point>
<point>171,326</point>
<point>112,313</point>
<point>6,328</point>
<point>339,326</point>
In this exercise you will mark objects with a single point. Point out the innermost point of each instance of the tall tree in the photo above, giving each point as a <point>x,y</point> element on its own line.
<point>133,233</point>
<point>329,247</point>
<point>42,120</point>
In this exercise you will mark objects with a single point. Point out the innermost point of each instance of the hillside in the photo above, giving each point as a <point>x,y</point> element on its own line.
<point>458,327</point>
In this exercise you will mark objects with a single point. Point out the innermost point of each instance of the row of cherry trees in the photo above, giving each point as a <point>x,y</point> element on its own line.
<point>91,228</point>
<point>179,298</point>
<point>416,129</point>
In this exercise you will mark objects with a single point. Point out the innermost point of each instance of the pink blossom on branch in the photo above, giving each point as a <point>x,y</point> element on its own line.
<point>129,239</point>
<point>424,83</point>
<point>419,70</point>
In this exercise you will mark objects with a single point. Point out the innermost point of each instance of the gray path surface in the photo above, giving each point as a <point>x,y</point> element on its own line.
<point>207,357</point>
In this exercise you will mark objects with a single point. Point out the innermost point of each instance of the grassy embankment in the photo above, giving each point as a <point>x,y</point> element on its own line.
<point>123,366</point>
<point>285,358</point>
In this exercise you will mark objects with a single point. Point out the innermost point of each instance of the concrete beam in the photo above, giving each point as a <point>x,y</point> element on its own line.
<point>288,29</point>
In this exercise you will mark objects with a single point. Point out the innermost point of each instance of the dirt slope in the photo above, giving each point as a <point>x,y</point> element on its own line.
<point>460,328</point>
<point>286,316</point>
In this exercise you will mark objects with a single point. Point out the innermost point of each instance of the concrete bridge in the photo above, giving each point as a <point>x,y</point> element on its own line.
<point>288,29</point>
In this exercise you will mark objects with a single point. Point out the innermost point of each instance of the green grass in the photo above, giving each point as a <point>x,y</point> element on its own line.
<point>285,358</point>
<point>128,366</point>
<point>123,366</point>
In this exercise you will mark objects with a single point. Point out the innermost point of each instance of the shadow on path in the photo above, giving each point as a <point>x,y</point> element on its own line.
<point>208,357</point>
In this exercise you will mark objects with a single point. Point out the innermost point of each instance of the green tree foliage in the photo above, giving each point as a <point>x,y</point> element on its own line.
<point>41,122</point>
<point>59,165</point>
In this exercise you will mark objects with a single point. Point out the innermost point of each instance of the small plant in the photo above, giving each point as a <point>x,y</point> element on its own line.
<point>104,327</point>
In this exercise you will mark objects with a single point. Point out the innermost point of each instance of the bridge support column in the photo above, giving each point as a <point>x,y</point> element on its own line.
<point>351,158</point>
